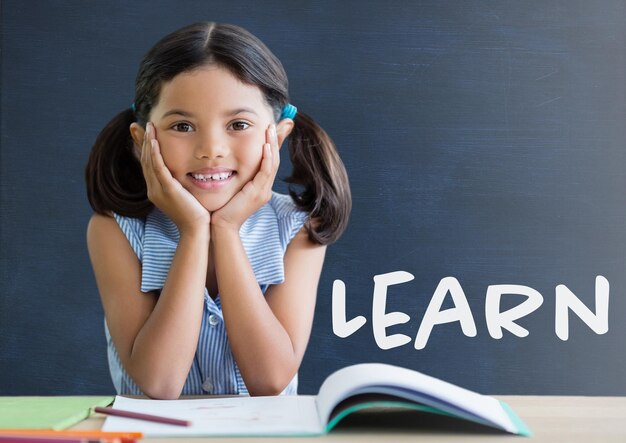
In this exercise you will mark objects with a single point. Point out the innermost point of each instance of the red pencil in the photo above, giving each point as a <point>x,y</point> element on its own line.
<point>140,416</point>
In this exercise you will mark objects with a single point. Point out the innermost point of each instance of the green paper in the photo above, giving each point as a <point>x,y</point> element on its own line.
<point>55,413</point>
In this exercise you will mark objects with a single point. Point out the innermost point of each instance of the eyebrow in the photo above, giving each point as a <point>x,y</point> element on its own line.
<point>240,111</point>
<point>177,112</point>
<point>226,114</point>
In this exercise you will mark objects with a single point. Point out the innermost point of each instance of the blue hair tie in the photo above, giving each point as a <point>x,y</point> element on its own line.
<point>133,107</point>
<point>289,111</point>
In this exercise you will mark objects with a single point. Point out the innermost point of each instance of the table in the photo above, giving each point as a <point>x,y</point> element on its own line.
<point>551,419</point>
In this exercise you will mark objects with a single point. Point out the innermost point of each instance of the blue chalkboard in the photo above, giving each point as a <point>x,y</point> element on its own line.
<point>484,143</point>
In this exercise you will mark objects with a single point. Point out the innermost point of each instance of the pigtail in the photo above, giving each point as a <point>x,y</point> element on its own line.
<point>318,169</point>
<point>113,173</point>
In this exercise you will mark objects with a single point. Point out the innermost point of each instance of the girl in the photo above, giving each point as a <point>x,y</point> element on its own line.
<point>208,279</point>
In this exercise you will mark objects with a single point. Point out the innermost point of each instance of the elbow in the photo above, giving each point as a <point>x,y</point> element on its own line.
<point>162,392</point>
<point>270,385</point>
<point>266,390</point>
<point>157,385</point>
<point>161,389</point>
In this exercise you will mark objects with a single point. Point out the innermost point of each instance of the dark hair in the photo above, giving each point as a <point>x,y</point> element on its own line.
<point>114,177</point>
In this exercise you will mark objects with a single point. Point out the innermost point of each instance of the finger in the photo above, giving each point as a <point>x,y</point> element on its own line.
<point>271,138</point>
<point>143,147</point>
<point>265,176</point>
<point>146,159</point>
<point>275,147</point>
<point>161,172</point>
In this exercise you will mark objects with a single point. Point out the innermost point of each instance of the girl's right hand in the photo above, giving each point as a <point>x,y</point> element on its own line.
<point>166,192</point>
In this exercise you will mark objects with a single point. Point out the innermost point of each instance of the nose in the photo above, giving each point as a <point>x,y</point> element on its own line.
<point>210,144</point>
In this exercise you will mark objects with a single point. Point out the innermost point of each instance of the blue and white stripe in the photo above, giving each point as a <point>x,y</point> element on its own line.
<point>265,236</point>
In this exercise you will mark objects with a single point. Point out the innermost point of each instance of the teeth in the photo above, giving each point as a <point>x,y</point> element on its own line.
<point>205,177</point>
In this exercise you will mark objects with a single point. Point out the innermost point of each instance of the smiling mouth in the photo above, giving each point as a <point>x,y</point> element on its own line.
<point>221,176</point>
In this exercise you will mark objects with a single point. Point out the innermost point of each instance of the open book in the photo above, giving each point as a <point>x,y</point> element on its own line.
<point>357,387</point>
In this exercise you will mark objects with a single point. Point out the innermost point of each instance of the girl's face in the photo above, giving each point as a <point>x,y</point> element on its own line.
<point>211,129</point>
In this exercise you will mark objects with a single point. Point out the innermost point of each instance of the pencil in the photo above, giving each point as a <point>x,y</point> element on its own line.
<point>9,438</point>
<point>140,416</point>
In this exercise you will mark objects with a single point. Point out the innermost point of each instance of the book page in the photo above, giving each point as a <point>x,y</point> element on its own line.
<point>411,385</point>
<point>230,416</point>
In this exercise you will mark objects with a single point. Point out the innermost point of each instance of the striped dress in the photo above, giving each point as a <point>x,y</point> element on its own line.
<point>265,236</point>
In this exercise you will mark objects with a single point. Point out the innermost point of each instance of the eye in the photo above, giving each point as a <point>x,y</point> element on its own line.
<point>240,125</point>
<point>182,127</point>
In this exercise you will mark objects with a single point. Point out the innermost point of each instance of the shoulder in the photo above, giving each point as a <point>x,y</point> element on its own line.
<point>100,224</point>
<point>284,207</point>
<point>114,225</point>
<point>133,228</point>
<point>291,219</point>
<point>104,236</point>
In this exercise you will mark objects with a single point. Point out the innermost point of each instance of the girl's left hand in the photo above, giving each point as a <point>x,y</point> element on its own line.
<point>256,193</point>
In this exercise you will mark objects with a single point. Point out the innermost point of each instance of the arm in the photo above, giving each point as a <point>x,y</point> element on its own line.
<point>268,334</point>
<point>156,337</point>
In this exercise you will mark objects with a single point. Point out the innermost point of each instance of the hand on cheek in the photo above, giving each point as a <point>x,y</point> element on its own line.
<point>166,192</point>
<point>254,194</point>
